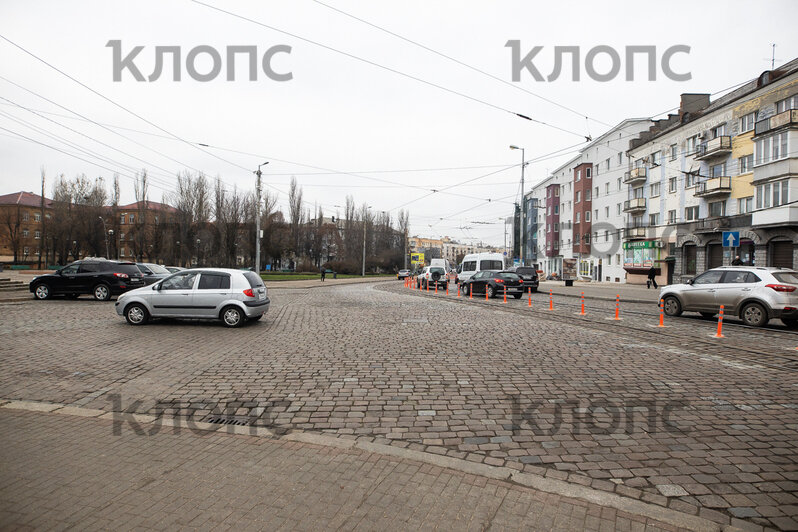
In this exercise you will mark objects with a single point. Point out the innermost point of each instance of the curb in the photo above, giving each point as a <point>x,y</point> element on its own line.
<point>525,479</point>
<point>276,284</point>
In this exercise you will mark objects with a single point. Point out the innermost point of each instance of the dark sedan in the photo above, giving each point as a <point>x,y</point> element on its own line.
<point>152,272</point>
<point>495,283</point>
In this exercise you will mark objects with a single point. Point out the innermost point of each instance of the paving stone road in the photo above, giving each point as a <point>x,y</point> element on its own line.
<point>665,417</point>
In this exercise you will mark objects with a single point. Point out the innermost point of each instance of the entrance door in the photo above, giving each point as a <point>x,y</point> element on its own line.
<point>714,255</point>
<point>781,253</point>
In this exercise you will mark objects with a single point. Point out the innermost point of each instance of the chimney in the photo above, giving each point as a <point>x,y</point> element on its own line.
<point>692,103</point>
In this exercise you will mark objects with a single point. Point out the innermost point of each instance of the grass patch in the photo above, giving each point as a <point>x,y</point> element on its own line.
<point>288,276</point>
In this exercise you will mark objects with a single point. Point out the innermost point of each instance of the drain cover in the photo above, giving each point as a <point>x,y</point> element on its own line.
<point>229,420</point>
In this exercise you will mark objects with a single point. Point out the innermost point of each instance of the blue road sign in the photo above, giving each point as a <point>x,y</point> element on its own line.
<point>731,239</point>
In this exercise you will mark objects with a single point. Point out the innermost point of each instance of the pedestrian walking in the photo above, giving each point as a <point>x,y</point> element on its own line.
<point>737,261</point>
<point>323,274</point>
<point>652,274</point>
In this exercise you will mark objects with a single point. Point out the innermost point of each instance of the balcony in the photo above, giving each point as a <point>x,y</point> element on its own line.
<point>717,147</point>
<point>636,205</point>
<point>715,225</point>
<point>786,118</point>
<point>634,232</point>
<point>636,175</point>
<point>714,186</point>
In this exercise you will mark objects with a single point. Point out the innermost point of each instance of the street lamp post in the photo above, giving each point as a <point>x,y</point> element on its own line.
<point>110,236</point>
<point>365,217</point>
<point>523,203</point>
<point>257,219</point>
<point>198,251</point>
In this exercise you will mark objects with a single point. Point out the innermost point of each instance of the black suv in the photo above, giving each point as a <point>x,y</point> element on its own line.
<point>98,277</point>
<point>529,275</point>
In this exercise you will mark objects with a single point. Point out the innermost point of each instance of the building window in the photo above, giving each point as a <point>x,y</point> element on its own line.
<point>745,205</point>
<point>674,152</point>
<point>656,158</point>
<point>130,218</point>
<point>672,216</point>
<point>746,164</point>
<point>597,169</point>
<point>787,104</point>
<point>595,214</point>
<point>606,236</point>
<point>556,209</point>
<point>588,195</point>
<point>653,219</point>
<point>717,170</point>
<point>718,131</point>
<point>717,209</point>
<point>579,175</point>
<point>121,252</point>
<point>578,196</point>
<point>606,188</point>
<point>25,217</point>
<point>25,233</point>
<point>37,217</point>
<point>672,184</point>
<point>122,220</point>
<point>578,219</point>
<point>772,194</point>
<point>692,144</point>
<point>654,190</point>
<point>771,148</point>
<point>619,208</point>
<point>122,237</point>
<point>608,163</point>
<point>37,235</point>
<point>691,213</point>
<point>587,216</point>
<point>637,192</point>
<point>607,212</point>
<point>596,192</point>
<point>619,183</point>
<point>689,180</point>
<point>556,227</point>
<point>557,192</point>
<point>747,122</point>
<point>620,158</point>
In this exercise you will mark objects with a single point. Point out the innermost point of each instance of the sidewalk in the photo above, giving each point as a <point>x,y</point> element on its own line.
<point>606,291</point>
<point>59,470</point>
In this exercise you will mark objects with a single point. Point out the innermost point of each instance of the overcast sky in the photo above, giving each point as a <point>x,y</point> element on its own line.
<point>339,114</point>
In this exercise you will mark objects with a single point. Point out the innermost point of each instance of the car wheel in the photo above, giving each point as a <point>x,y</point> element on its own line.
<point>517,296</point>
<point>42,291</point>
<point>136,314</point>
<point>708,314</point>
<point>754,314</point>
<point>232,317</point>
<point>491,292</point>
<point>102,292</point>
<point>672,306</point>
<point>791,323</point>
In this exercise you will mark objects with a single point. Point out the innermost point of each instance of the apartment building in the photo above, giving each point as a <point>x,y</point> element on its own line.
<point>724,165</point>
<point>21,226</point>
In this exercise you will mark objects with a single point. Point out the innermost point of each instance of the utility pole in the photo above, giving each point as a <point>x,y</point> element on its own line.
<point>363,273</point>
<point>405,248</point>
<point>523,203</point>
<point>43,243</point>
<point>257,219</point>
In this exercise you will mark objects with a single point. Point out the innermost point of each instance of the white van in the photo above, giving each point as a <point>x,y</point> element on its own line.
<point>476,262</point>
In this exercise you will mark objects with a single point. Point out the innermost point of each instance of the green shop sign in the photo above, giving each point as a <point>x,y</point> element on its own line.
<point>643,244</point>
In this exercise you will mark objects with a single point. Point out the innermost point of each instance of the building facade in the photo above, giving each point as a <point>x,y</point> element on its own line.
<point>22,226</point>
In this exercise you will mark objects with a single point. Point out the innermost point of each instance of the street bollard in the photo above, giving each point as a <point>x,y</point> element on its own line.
<point>551,300</point>
<point>719,334</point>
<point>436,288</point>
<point>486,292</point>
<point>458,290</point>
<point>617,307</point>
<point>428,287</point>
<point>505,294</point>
<point>530,297</point>
<point>661,313</point>
<point>447,289</point>
<point>471,293</point>
<point>582,312</point>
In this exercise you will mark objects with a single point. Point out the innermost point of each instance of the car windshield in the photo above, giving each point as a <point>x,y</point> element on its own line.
<point>157,268</point>
<point>786,277</point>
<point>490,265</point>
<point>129,269</point>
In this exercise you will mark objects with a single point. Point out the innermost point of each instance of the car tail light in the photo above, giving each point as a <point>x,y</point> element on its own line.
<point>788,308</point>
<point>122,275</point>
<point>781,287</point>
<point>249,293</point>
<point>499,280</point>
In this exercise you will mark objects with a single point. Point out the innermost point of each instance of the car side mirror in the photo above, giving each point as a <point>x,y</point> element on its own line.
<point>156,286</point>
<point>690,281</point>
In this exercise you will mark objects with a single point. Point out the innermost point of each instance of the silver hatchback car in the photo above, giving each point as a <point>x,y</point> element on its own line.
<point>233,296</point>
<point>755,294</point>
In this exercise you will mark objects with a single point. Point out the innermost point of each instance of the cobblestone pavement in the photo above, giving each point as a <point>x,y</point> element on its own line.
<point>672,417</point>
<point>86,477</point>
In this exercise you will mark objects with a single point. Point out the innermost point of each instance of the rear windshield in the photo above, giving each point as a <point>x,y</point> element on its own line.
<point>507,275</point>
<point>490,265</point>
<point>254,280</point>
<point>525,271</point>
<point>129,269</point>
<point>157,268</point>
<point>435,269</point>
<point>786,277</point>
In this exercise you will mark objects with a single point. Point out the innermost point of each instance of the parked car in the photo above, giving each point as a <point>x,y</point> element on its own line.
<point>477,262</point>
<point>403,274</point>
<point>174,269</point>
<point>529,275</point>
<point>98,277</point>
<point>152,272</point>
<point>495,283</point>
<point>755,294</point>
<point>233,296</point>
<point>432,276</point>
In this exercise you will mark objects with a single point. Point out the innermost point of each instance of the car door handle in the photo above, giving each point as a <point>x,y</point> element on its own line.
<point>712,290</point>
<point>746,290</point>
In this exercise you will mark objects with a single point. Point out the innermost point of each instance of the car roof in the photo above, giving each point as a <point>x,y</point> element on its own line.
<point>217,270</point>
<point>755,268</point>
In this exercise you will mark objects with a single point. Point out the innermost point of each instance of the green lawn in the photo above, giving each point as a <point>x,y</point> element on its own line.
<point>286,276</point>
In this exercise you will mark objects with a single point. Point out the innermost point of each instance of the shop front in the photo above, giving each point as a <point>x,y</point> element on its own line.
<point>642,255</point>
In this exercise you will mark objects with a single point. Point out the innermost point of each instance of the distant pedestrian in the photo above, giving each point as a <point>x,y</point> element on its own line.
<point>323,273</point>
<point>652,275</point>
<point>737,261</point>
